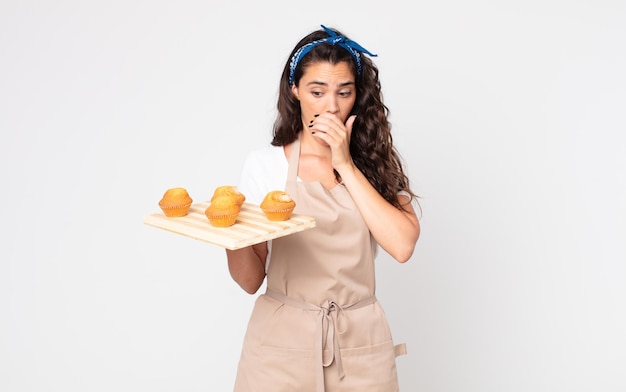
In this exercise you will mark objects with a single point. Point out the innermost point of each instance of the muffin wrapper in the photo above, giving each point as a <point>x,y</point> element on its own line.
<point>222,220</point>
<point>175,211</point>
<point>278,215</point>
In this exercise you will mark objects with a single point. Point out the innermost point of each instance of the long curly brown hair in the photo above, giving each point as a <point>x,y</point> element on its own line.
<point>371,143</point>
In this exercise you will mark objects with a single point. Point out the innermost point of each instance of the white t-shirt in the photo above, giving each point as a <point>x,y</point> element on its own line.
<point>264,170</point>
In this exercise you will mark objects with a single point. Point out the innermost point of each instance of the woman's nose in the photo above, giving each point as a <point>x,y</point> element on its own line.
<point>332,105</point>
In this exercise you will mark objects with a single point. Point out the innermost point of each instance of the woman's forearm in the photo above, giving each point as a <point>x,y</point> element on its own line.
<point>247,266</point>
<point>395,230</point>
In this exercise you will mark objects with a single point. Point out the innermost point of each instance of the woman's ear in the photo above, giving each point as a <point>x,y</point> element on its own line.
<point>294,91</point>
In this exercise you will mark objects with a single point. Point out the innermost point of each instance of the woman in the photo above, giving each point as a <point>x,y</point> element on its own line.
<point>319,327</point>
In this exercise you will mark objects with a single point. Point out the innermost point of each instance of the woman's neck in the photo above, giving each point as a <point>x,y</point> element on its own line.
<point>310,145</point>
<point>315,162</point>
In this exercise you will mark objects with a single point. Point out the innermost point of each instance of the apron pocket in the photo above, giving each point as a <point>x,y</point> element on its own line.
<point>283,370</point>
<point>371,368</point>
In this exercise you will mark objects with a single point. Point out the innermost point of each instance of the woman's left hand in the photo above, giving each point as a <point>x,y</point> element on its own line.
<point>336,134</point>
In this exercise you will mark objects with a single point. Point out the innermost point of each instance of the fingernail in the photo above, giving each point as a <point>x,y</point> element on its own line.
<point>311,122</point>
<point>316,115</point>
<point>310,125</point>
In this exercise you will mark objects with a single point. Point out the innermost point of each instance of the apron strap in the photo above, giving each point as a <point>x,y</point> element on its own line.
<point>399,349</point>
<point>294,160</point>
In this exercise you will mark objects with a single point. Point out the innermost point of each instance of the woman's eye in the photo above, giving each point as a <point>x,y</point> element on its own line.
<point>345,93</point>
<point>316,93</point>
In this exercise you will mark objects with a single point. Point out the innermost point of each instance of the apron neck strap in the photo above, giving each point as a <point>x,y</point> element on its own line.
<point>294,158</point>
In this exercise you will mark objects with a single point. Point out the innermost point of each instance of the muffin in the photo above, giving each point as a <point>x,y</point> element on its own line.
<point>175,202</point>
<point>277,206</point>
<point>223,211</point>
<point>230,191</point>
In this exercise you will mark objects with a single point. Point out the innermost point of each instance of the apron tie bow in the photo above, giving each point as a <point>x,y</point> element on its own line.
<point>329,318</point>
<point>330,313</point>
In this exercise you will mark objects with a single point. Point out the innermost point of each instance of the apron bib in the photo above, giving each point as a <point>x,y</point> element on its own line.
<point>319,327</point>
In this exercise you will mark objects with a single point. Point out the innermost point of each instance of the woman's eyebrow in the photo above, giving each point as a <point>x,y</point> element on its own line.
<point>320,83</point>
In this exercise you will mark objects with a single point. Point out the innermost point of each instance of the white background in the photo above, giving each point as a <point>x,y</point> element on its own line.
<point>510,117</point>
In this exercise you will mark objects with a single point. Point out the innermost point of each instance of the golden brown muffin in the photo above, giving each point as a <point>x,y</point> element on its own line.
<point>175,202</point>
<point>278,206</point>
<point>230,191</point>
<point>222,212</point>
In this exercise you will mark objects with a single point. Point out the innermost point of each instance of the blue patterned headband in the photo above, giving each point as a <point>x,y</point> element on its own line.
<point>334,39</point>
